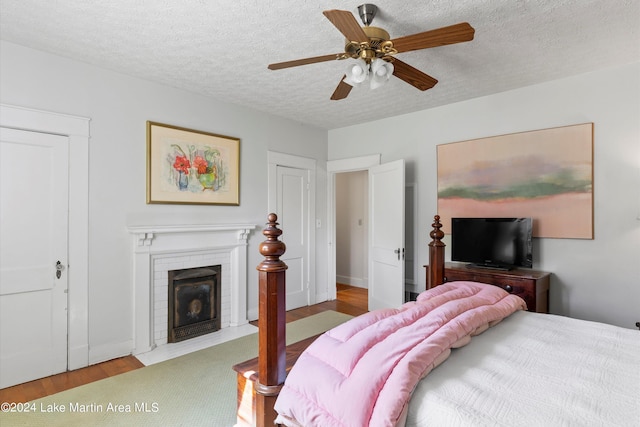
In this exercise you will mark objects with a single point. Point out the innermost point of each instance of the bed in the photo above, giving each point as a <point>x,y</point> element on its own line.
<point>464,354</point>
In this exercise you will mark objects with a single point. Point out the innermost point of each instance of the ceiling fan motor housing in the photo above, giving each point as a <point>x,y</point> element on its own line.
<point>377,47</point>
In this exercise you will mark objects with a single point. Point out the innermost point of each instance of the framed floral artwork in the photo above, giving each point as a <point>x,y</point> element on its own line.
<point>186,166</point>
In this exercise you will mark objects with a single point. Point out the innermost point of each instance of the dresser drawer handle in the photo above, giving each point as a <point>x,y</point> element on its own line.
<point>508,288</point>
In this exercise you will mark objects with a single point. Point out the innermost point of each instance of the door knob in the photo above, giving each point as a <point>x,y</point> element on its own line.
<point>398,252</point>
<point>59,269</point>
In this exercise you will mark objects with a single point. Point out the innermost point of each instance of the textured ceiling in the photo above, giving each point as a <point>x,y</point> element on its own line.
<point>222,48</point>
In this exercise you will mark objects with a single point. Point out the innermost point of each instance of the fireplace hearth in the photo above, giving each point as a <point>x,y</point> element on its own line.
<point>194,302</point>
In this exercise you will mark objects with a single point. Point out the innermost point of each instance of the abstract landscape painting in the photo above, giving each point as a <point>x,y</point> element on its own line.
<point>545,174</point>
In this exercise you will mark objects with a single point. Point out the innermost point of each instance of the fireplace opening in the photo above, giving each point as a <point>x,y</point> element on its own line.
<point>194,302</point>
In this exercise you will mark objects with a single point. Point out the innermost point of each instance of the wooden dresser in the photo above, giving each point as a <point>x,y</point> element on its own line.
<point>530,285</point>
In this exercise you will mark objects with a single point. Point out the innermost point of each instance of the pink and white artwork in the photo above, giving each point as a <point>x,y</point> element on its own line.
<point>544,174</point>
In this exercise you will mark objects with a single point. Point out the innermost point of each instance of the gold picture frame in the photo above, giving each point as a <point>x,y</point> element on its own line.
<point>186,166</point>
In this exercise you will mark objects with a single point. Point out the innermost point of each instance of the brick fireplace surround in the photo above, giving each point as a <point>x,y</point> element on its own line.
<point>159,249</point>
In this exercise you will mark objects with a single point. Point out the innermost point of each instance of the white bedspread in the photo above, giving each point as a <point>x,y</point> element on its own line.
<point>535,370</point>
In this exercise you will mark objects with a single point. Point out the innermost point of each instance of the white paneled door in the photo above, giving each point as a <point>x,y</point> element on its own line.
<point>34,195</point>
<point>386,235</point>
<point>293,216</point>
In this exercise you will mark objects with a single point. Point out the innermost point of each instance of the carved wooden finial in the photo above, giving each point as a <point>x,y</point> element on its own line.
<point>435,275</point>
<point>272,248</point>
<point>436,234</point>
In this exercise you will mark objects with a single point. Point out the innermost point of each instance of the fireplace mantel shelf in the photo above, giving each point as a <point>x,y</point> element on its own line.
<point>146,233</point>
<point>160,229</point>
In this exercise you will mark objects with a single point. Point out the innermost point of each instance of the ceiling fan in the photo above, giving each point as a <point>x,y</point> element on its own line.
<point>374,50</point>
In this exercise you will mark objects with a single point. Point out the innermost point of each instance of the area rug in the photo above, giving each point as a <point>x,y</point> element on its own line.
<point>197,389</point>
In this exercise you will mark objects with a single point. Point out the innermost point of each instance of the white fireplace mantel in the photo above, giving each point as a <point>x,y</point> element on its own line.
<point>159,243</point>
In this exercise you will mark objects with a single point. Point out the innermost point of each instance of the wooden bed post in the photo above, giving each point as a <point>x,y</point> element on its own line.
<point>271,324</point>
<point>435,275</point>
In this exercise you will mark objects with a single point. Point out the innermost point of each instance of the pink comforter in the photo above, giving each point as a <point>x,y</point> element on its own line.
<point>364,371</point>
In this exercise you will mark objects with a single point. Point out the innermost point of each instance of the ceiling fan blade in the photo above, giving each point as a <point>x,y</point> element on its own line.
<point>413,76</point>
<point>347,24</point>
<point>305,61</point>
<point>457,33</point>
<point>342,91</point>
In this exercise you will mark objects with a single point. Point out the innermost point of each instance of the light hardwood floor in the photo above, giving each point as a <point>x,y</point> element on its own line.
<point>350,300</point>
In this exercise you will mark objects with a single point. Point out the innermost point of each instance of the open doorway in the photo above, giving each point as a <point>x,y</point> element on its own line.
<point>351,195</point>
<point>344,253</point>
<point>352,240</point>
<point>347,176</point>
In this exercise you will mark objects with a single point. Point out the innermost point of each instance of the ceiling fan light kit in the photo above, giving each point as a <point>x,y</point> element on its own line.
<point>357,72</point>
<point>381,72</point>
<point>374,51</point>
<point>378,71</point>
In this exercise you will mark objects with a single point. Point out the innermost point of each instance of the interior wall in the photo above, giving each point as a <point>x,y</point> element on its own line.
<point>119,106</point>
<point>595,279</point>
<point>352,247</point>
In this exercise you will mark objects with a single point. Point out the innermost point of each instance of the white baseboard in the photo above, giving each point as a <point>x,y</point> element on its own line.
<point>78,357</point>
<point>352,281</point>
<point>104,352</point>
<point>322,297</point>
<point>252,314</point>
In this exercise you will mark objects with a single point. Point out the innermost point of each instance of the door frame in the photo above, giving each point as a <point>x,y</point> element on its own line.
<point>274,160</point>
<point>77,130</point>
<point>333,167</point>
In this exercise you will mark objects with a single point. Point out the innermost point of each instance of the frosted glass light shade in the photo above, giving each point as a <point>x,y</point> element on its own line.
<point>381,70</point>
<point>357,72</point>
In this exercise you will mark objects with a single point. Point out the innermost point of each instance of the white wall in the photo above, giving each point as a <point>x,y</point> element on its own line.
<point>352,221</point>
<point>595,279</point>
<point>119,107</point>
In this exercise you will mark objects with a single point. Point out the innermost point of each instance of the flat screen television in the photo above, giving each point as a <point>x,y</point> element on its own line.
<point>502,243</point>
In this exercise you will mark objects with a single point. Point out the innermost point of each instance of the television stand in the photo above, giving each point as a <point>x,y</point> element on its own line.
<point>530,285</point>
